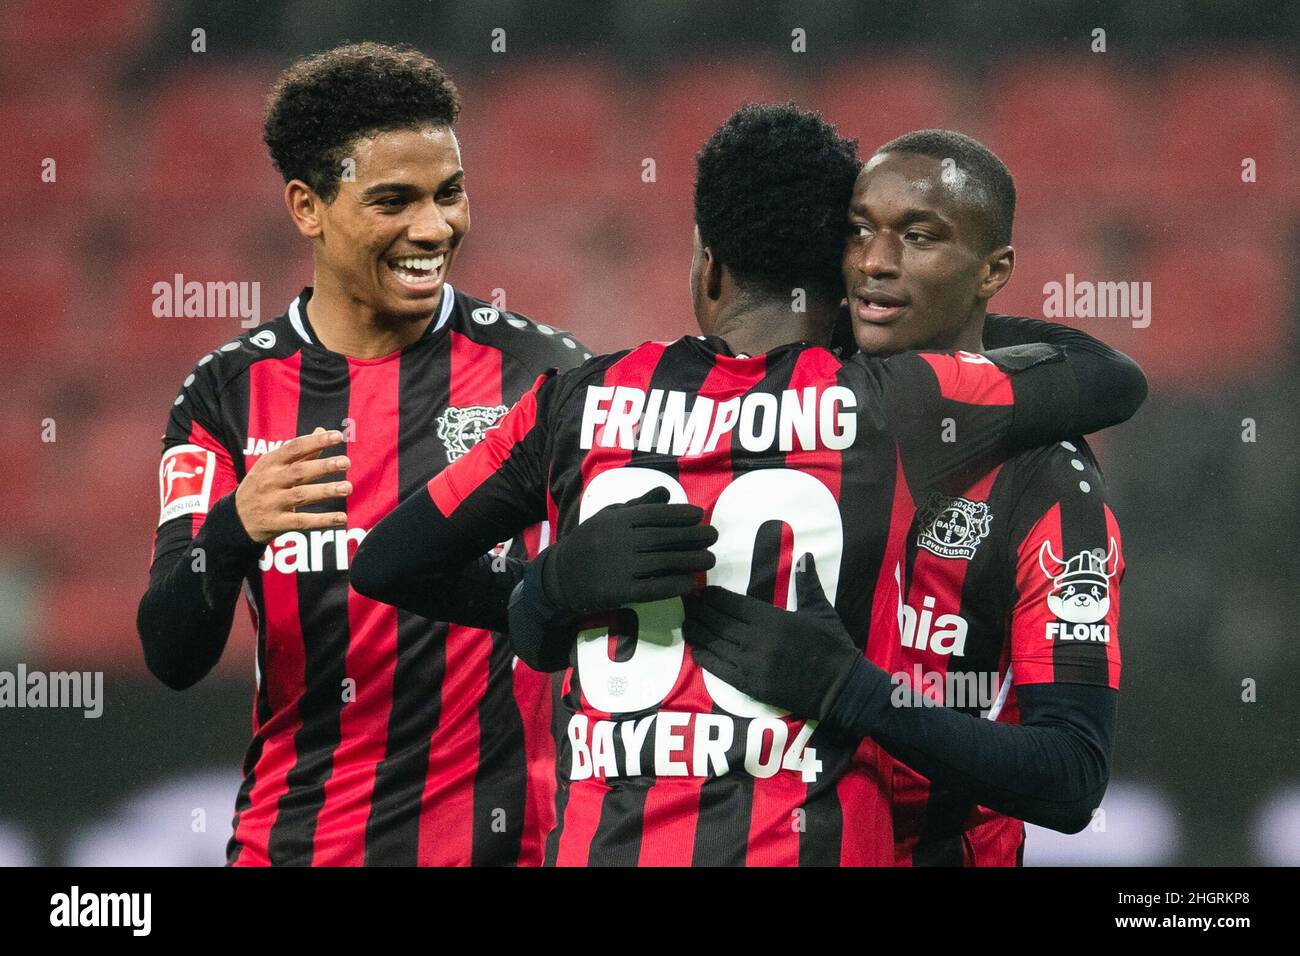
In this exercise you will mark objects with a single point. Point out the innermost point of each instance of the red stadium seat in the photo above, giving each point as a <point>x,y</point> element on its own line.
<point>662,307</point>
<point>1046,254</point>
<point>66,124</point>
<point>87,617</point>
<point>22,429</point>
<point>169,345</point>
<point>535,259</point>
<point>36,301</point>
<point>1070,131</point>
<point>541,129</point>
<point>207,169</point>
<point>1213,317</point>
<point>94,461</point>
<point>658,300</point>
<point>1216,316</point>
<point>874,100</point>
<point>92,491</point>
<point>692,100</point>
<point>40,38</point>
<point>1216,112</point>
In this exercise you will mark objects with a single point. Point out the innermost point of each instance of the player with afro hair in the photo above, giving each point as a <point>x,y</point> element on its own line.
<point>772,186</point>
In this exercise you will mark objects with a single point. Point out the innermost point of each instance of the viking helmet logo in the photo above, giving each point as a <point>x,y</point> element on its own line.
<point>1081,586</point>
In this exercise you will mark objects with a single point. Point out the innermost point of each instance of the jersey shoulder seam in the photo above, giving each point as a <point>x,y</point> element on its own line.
<point>229,363</point>
<point>1051,469</point>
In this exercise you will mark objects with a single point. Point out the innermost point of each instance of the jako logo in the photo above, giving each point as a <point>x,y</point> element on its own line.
<point>103,909</point>
<point>295,551</point>
<point>947,637</point>
<point>260,446</point>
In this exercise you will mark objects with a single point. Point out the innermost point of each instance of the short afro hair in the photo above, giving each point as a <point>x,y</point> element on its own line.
<point>991,179</point>
<point>772,191</point>
<point>323,103</point>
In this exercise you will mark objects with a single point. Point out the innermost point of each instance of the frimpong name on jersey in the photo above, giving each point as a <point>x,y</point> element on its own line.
<point>658,420</point>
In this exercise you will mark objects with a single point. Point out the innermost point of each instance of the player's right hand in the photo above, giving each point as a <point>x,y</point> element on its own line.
<point>288,478</point>
<point>799,660</point>
<point>633,553</point>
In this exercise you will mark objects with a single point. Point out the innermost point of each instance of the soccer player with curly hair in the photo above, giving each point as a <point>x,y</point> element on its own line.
<point>380,736</point>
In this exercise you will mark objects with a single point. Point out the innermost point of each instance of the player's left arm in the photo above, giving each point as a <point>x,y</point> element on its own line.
<point>1066,559</point>
<point>957,414</point>
<point>429,555</point>
<point>1052,768</point>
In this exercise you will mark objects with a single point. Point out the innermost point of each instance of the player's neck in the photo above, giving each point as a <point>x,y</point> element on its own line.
<point>344,325</point>
<point>756,328</point>
<point>971,337</point>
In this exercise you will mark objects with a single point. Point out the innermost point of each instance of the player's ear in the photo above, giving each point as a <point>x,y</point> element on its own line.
<point>998,266</point>
<point>305,208</point>
<point>712,274</point>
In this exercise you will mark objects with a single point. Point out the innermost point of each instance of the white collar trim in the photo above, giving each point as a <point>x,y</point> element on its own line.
<point>444,313</point>
<point>448,300</point>
<point>295,319</point>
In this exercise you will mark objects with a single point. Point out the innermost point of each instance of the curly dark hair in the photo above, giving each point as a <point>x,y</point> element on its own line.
<point>323,103</point>
<point>993,183</point>
<point>772,191</point>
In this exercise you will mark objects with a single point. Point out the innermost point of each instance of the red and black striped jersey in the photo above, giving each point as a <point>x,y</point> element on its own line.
<point>1014,581</point>
<point>379,737</point>
<point>793,451</point>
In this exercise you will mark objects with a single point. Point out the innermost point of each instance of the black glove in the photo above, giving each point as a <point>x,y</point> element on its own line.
<point>799,660</point>
<point>633,553</point>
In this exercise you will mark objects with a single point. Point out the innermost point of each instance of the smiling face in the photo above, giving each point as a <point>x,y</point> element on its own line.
<point>389,238</point>
<point>917,270</point>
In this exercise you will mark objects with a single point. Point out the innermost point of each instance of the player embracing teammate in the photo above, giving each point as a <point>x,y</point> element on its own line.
<point>689,736</point>
<point>1014,577</point>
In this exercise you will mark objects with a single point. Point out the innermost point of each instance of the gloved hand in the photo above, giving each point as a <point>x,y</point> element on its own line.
<point>799,660</point>
<point>633,553</point>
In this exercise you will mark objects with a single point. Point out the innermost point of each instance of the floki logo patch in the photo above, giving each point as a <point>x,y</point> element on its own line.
<point>1081,586</point>
<point>1080,595</point>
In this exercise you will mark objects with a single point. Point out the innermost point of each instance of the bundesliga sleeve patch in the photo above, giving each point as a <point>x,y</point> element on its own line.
<point>185,477</point>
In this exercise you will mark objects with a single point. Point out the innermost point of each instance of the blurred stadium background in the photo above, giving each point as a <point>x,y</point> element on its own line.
<point>1129,167</point>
